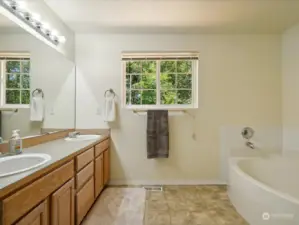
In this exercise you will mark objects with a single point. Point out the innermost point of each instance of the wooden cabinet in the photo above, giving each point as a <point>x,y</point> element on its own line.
<point>106,155</point>
<point>63,205</point>
<point>61,195</point>
<point>99,175</point>
<point>84,200</point>
<point>37,216</point>
<point>18,204</point>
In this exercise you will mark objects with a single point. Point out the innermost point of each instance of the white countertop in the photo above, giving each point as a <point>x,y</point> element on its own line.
<point>58,150</point>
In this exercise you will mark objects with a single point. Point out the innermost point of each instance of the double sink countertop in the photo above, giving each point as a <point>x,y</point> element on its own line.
<point>60,151</point>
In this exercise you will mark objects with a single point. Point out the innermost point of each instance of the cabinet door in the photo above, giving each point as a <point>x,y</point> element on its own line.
<point>99,175</point>
<point>106,166</point>
<point>63,205</point>
<point>37,216</point>
<point>84,200</point>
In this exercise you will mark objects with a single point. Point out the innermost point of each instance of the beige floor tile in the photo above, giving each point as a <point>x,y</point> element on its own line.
<point>201,218</point>
<point>185,205</point>
<point>157,218</point>
<point>156,195</point>
<point>157,205</point>
<point>176,205</point>
<point>179,217</point>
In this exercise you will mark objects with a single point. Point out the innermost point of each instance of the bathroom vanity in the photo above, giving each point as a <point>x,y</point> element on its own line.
<point>62,191</point>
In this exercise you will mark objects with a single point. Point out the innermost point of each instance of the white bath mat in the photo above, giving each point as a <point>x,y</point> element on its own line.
<point>118,206</point>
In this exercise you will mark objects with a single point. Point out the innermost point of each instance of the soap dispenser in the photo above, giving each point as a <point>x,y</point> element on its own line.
<point>15,143</point>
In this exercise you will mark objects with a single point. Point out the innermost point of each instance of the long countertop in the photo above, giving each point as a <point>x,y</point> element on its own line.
<point>60,152</point>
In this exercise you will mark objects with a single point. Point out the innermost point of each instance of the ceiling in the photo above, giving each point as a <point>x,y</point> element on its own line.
<point>177,16</point>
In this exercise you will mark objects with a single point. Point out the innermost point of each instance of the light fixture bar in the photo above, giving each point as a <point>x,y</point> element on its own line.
<point>28,18</point>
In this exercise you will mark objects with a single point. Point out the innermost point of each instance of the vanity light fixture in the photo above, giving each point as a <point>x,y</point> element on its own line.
<point>19,9</point>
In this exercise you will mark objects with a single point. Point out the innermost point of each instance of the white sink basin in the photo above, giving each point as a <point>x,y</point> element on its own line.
<point>10,165</point>
<point>83,138</point>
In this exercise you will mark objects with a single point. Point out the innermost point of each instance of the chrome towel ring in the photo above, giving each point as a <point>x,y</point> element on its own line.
<point>37,91</point>
<point>110,91</point>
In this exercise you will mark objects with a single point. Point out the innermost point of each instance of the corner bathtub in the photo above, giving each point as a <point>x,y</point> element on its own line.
<point>265,191</point>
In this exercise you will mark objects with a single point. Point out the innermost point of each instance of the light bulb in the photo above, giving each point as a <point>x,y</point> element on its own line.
<point>22,5</point>
<point>62,39</point>
<point>54,32</point>
<point>7,2</point>
<point>36,16</point>
<point>46,26</point>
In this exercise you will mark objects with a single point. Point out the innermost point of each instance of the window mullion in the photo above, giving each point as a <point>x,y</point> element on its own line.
<point>158,67</point>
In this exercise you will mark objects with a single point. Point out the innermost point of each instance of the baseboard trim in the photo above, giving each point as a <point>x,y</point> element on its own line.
<point>167,182</point>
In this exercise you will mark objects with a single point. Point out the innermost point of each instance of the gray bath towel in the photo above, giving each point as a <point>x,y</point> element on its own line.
<point>157,134</point>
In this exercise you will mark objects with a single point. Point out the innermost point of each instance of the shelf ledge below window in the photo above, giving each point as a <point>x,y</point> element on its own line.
<point>9,110</point>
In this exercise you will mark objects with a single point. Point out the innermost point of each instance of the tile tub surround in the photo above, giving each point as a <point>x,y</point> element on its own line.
<point>61,152</point>
<point>182,205</point>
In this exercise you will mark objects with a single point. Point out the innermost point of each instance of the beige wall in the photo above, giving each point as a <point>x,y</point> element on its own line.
<point>290,88</point>
<point>239,84</point>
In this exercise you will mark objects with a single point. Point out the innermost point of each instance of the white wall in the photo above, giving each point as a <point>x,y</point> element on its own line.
<point>239,83</point>
<point>290,88</point>
<point>51,72</point>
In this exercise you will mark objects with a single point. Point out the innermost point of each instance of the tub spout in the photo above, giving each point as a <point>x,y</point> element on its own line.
<point>250,145</point>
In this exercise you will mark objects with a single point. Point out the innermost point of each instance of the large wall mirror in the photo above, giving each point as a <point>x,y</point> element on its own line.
<point>33,74</point>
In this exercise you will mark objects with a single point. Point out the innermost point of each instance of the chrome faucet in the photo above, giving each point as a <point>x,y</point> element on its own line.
<point>247,134</point>
<point>250,145</point>
<point>73,134</point>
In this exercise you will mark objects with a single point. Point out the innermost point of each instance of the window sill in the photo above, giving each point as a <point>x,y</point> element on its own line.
<point>15,106</point>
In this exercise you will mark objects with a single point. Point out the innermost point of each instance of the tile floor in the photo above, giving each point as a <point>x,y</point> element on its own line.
<point>195,205</point>
<point>182,205</point>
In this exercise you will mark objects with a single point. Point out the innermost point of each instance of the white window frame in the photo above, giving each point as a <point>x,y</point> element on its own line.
<point>158,105</point>
<point>3,104</point>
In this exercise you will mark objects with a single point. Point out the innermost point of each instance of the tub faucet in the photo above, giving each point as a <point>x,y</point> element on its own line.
<point>250,145</point>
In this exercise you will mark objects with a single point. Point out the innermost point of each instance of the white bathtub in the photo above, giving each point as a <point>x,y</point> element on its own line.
<point>265,191</point>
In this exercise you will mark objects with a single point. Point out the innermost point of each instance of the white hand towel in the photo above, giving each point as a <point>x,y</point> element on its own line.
<point>37,109</point>
<point>109,110</point>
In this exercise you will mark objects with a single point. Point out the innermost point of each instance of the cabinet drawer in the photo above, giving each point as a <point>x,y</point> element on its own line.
<point>84,158</point>
<point>84,175</point>
<point>101,147</point>
<point>84,200</point>
<point>22,201</point>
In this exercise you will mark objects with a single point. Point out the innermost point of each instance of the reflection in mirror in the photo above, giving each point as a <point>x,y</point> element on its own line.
<point>37,89</point>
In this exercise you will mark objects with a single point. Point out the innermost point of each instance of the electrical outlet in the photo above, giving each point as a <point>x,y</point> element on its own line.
<point>52,111</point>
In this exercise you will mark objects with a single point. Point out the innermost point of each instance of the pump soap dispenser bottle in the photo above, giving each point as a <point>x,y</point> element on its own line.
<point>15,143</point>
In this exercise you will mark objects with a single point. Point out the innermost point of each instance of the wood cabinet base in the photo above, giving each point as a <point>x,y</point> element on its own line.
<point>84,200</point>
<point>63,205</point>
<point>37,216</point>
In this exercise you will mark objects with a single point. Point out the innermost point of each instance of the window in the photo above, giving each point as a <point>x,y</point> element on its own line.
<point>164,81</point>
<point>15,80</point>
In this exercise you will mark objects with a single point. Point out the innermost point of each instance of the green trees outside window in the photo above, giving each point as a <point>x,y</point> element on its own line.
<point>175,83</point>
<point>17,87</point>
